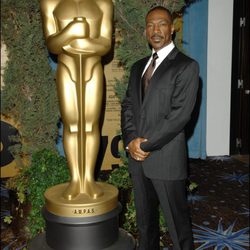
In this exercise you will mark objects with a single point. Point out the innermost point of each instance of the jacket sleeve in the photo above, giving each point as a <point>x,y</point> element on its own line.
<point>128,126</point>
<point>182,104</point>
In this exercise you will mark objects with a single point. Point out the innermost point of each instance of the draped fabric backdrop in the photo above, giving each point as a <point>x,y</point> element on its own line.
<point>195,27</point>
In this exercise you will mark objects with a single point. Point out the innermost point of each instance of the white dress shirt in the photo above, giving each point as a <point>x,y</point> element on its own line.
<point>162,54</point>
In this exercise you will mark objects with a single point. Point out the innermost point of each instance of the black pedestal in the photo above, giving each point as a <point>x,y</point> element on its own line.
<point>83,233</point>
<point>125,241</point>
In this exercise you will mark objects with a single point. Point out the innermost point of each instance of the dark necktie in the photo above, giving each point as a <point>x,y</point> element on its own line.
<point>148,73</point>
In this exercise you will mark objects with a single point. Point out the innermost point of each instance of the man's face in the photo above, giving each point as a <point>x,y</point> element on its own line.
<point>159,29</point>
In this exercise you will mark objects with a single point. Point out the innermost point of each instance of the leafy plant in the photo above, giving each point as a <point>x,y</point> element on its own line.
<point>8,219</point>
<point>29,98</point>
<point>192,186</point>
<point>28,92</point>
<point>47,169</point>
<point>119,177</point>
<point>130,216</point>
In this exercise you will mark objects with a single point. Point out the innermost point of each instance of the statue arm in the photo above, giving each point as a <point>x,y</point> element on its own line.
<point>105,39</point>
<point>56,39</point>
<point>72,31</point>
<point>100,45</point>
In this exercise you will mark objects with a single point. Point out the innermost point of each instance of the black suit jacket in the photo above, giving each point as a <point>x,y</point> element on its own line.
<point>162,116</point>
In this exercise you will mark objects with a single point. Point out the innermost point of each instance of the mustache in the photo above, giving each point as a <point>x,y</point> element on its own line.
<point>156,36</point>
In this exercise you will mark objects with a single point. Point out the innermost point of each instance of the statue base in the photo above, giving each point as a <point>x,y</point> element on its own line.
<point>82,205</point>
<point>92,233</point>
<point>83,222</point>
<point>125,242</point>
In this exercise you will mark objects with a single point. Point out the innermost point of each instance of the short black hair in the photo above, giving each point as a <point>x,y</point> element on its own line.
<point>159,7</point>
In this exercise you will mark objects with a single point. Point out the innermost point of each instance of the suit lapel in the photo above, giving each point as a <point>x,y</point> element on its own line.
<point>139,78</point>
<point>158,72</point>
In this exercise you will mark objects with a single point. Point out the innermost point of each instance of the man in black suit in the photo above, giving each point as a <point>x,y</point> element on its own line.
<point>154,114</point>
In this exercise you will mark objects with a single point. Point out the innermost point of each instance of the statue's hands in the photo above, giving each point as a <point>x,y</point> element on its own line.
<point>78,28</point>
<point>135,150</point>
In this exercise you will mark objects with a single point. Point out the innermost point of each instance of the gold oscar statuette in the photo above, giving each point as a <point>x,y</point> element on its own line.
<point>80,33</point>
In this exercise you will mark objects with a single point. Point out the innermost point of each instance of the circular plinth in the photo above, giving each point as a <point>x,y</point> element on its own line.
<point>88,233</point>
<point>82,205</point>
<point>125,242</point>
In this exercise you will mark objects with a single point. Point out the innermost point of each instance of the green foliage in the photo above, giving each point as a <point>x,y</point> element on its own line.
<point>120,178</point>
<point>123,156</point>
<point>8,219</point>
<point>29,93</point>
<point>192,186</point>
<point>47,169</point>
<point>130,216</point>
<point>29,98</point>
<point>163,227</point>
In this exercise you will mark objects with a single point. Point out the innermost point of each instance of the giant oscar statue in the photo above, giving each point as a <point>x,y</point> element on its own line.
<point>81,214</point>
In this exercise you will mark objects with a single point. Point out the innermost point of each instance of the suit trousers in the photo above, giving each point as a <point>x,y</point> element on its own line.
<point>171,196</point>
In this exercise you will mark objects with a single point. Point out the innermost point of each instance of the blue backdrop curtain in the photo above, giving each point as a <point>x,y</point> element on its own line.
<point>195,26</point>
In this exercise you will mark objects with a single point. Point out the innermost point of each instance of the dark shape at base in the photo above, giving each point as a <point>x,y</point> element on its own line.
<point>95,232</point>
<point>125,241</point>
<point>99,232</point>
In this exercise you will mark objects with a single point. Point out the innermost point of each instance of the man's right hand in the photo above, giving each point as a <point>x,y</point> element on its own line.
<point>135,150</point>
